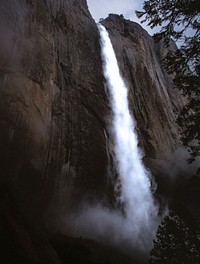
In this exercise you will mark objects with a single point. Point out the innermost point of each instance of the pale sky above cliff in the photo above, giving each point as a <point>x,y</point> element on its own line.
<point>101,9</point>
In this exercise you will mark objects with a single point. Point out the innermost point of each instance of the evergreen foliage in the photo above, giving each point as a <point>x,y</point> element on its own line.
<point>180,21</point>
<point>176,243</point>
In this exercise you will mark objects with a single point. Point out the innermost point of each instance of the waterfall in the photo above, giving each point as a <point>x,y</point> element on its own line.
<point>133,229</point>
<point>134,179</point>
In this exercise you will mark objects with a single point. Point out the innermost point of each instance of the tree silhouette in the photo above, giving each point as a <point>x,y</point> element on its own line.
<point>176,243</point>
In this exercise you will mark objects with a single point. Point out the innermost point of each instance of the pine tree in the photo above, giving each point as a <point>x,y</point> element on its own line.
<point>176,243</point>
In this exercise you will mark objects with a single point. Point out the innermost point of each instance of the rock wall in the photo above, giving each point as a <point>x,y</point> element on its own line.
<point>52,101</point>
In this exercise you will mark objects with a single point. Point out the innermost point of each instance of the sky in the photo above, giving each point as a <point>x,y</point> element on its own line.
<point>101,9</point>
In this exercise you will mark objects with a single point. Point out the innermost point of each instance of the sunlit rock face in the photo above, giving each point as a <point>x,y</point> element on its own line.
<point>52,101</point>
<point>152,99</point>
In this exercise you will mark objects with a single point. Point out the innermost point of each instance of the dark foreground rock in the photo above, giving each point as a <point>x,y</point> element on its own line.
<point>22,241</point>
<point>79,250</point>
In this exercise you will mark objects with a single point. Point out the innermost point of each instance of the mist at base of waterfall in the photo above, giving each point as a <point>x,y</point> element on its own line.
<point>112,228</point>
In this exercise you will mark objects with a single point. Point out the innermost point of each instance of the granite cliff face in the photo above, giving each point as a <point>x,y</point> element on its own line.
<point>53,105</point>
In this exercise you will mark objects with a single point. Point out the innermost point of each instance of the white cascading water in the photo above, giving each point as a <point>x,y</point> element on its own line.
<point>134,179</point>
<point>135,228</point>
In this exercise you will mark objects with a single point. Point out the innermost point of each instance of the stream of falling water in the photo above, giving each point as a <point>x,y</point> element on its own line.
<point>134,179</point>
<point>134,229</point>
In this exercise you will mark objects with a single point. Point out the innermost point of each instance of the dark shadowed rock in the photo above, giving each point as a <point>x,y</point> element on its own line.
<point>53,105</point>
<point>21,241</point>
